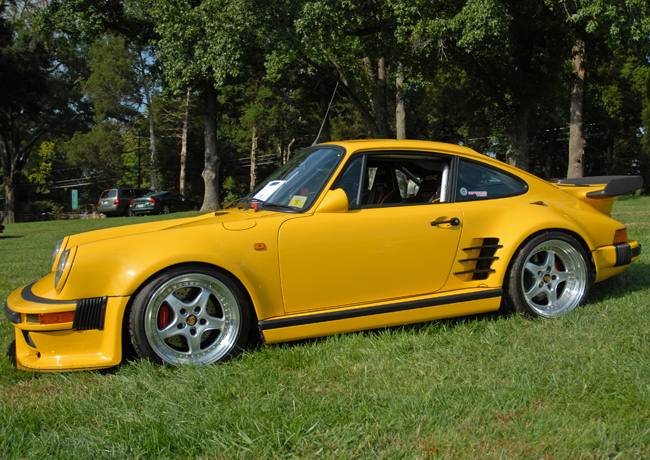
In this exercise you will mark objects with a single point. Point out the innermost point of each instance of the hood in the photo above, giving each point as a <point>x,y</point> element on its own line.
<point>231,220</point>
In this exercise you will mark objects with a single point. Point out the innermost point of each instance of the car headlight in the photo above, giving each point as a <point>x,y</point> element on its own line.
<point>57,250</point>
<point>63,268</point>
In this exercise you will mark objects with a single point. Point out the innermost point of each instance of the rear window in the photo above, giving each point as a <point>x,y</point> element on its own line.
<point>112,193</point>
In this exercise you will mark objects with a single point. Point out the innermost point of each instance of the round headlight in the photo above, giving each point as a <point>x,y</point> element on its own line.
<point>63,268</point>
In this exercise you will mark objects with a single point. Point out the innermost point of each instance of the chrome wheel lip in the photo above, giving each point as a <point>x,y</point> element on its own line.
<point>229,324</point>
<point>558,284</point>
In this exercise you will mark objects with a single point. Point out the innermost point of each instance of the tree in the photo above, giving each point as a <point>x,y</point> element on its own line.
<point>39,94</point>
<point>201,45</point>
<point>505,46</point>
<point>352,43</point>
<point>615,22</point>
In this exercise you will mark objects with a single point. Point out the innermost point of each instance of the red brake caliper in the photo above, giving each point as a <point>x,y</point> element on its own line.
<point>163,316</point>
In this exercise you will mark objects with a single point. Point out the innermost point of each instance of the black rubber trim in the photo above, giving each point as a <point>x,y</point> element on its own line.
<point>369,311</point>
<point>623,254</point>
<point>29,296</point>
<point>12,316</point>
<point>636,252</point>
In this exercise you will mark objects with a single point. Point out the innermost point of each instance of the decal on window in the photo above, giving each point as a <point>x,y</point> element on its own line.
<point>478,193</point>
<point>298,201</point>
<point>268,190</point>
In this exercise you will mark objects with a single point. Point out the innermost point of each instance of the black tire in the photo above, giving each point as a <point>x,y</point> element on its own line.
<point>549,276</point>
<point>165,209</point>
<point>189,314</point>
<point>11,353</point>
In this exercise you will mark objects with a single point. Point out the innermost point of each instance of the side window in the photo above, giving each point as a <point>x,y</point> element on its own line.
<point>395,179</point>
<point>480,182</point>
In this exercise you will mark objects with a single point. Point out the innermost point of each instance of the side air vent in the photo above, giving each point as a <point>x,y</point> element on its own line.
<point>89,314</point>
<point>481,258</point>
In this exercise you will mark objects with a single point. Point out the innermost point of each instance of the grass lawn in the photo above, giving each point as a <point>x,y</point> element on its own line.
<point>488,386</point>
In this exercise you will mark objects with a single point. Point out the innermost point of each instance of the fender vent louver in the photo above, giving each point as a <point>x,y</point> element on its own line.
<point>89,314</point>
<point>481,262</point>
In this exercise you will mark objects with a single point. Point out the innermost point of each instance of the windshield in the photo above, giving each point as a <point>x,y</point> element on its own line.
<point>296,185</point>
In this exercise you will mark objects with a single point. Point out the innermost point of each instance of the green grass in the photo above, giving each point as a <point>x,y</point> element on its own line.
<point>490,386</point>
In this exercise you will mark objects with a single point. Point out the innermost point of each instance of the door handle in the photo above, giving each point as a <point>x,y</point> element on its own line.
<point>455,221</point>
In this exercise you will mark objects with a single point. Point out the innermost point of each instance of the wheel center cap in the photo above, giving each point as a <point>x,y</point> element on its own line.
<point>547,278</point>
<point>191,321</point>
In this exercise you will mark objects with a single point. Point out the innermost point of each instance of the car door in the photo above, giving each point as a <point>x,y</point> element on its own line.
<point>397,241</point>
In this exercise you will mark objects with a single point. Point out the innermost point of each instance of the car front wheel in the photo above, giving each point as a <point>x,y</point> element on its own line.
<point>550,276</point>
<point>192,314</point>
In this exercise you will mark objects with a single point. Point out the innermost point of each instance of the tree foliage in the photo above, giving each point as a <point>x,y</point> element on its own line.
<point>102,80</point>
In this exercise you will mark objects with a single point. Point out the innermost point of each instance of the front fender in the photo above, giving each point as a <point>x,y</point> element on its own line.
<point>119,266</point>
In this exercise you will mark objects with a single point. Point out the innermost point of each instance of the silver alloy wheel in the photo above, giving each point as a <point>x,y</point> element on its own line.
<point>165,209</point>
<point>192,318</point>
<point>554,278</point>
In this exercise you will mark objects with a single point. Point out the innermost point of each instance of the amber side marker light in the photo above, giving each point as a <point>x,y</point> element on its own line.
<point>259,246</point>
<point>621,236</point>
<point>56,318</point>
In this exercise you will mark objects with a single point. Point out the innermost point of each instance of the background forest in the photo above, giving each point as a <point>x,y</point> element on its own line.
<point>207,97</point>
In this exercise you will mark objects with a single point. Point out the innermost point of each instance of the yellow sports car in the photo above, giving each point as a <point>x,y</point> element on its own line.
<point>344,237</point>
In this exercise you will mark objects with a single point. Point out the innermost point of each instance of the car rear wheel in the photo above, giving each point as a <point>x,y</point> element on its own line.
<point>165,209</point>
<point>192,314</point>
<point>550,276</point>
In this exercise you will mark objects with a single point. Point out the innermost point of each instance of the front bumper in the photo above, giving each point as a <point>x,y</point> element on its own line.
<point>91,340</point>
<point>612,260</point>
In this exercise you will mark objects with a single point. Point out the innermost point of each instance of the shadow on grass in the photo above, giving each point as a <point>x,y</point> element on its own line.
<point>635,278</point>
<point>10,237</point>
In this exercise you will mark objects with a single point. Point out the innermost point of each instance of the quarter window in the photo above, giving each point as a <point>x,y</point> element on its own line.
<point>479,182</point>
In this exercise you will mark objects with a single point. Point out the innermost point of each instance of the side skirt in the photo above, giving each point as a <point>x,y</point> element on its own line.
<point>297,327</point>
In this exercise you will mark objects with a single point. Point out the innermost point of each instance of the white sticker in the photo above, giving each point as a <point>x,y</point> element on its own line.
<point>268,190</point>
<point>463,191</point>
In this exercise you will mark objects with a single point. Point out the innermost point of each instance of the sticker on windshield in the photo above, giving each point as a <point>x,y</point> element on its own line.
<point>268,190</point>
<point>298,201</point>
<point>479,193</point>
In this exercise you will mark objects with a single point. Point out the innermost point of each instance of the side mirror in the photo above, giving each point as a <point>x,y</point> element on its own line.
<point>335,201</point>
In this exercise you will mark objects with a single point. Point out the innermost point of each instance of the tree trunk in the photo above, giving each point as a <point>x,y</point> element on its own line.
<point>253,170</point>
<point>153,160</point>
<point>378,75</point>
<point>183,179</point>
<point>285,151</point>
<point>550,154</point>
<point>400,111</point>
<point>10,198</point>
<point>518,145</point>
<point>212,161</point>
<point>577,141</point>
<point>13,157</point>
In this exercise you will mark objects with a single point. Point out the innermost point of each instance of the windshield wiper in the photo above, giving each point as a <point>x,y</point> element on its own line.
<point>265,205</point>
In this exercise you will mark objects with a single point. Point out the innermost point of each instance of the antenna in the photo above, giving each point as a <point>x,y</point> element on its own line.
<point>326,114</point>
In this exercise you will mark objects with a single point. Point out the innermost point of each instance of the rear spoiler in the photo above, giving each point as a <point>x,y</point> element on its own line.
<point>614,185</point>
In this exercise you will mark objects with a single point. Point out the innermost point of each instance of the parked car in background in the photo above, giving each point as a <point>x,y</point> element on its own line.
<point>161,203</point>
<point>115,201</point>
